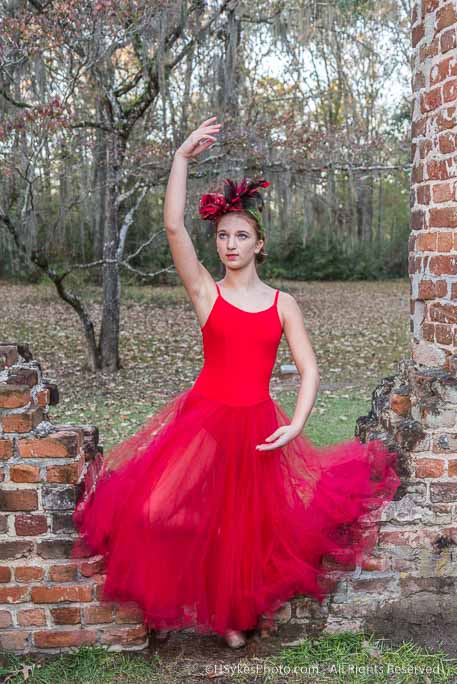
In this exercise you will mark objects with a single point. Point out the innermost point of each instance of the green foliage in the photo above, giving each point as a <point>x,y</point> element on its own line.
<point>331,258</point>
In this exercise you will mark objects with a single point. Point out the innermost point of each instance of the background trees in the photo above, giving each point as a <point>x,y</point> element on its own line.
<point>95,96</point>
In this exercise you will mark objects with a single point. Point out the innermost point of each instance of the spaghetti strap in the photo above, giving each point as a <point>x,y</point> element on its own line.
<point>276,297</point>
<point>217,287</point>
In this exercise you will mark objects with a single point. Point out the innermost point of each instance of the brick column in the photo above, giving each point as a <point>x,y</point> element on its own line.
<point>433,241</point>
<point>48,601</point>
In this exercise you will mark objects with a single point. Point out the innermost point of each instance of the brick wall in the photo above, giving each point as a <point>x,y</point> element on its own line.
<point>48,601</point>
<point>433,240</point>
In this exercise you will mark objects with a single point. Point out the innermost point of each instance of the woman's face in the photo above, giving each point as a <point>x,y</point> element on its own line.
<point>236,240</point>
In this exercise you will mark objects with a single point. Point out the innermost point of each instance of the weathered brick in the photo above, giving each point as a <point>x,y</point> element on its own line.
<point>9,550</point>
<point>54,548</point>
<point>67,615</point>
<point>62,638</point>
<point>6,619</point>
<point>124,635</point>
<point>18,500</point>
<point>60,444</point>
<point>30,525</point>
<point>14,594</point>
<point>64,592</point>
<point>13,641</point>
<point>23,472</point>
<point>22,422</point>
<point>14,396</point>
<point>31,616</point>
<point>28,573</point>
<point>129,612</point>
<point>63,573</point>
<point>6,449</point>
<point>98,614</point>
<point>65,474</point>
<point>5,574</point>
<point>58,498</point>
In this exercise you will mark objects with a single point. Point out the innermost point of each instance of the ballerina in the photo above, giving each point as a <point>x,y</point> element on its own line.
<point>219,509</point>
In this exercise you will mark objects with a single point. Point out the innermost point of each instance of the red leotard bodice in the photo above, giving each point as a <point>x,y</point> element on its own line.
<point>239,350</point>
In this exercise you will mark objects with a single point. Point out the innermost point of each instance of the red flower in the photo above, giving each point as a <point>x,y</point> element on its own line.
<point>212,205</point>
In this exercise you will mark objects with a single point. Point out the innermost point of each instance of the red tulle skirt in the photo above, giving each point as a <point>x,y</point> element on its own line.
<point>203,530</point>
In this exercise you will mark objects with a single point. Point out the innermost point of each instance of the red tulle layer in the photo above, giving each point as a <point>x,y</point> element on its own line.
<point>203,530</point>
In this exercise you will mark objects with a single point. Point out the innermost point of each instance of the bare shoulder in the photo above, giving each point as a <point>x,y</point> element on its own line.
<point>289,309</point>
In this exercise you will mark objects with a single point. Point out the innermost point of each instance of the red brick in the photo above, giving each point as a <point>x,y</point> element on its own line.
<point>430,100</point>
<point>417,34</point>
<point>65,474</point>
<point>28,573</point>
<point>62,638</point>
<point>6,449</point>
<point>58,593</point>
<point>31,616</point>
<point>418,219</point>
<point>445,241</point>
<point>443,192</point>
<point>22,422</point>
<point>444,333</point>
<point>447,142</point>
<point>63,573</point>
<point>124,635</point>
<point>18,500</point>
<point>61,444</point>
<point>30,525</point>
<point>43,397</point>
<point>22,472</point>
<point>5,619</point>
<point>443,265</point>
<point>13,641</point>
<point>14,396</point>
<point>450,90</point>
<point>448,40</point>
<point>440,71</point>
<point>10,550</point>
<point>5,573</point>
<point>429,467</point>
<point>67,615</point>
<point>445,16</point>
<point>445,119</point>
<point>437,170</point>
<point>92,567</point>
<point>97,614</point>
<point>426,242</point>
<point>443,313</point>
<point>129,612</point>
<point>14,594</point>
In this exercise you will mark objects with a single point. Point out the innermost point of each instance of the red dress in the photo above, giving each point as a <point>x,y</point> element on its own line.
<point>202,529</point>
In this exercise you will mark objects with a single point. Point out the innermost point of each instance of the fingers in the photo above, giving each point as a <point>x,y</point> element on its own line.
<point>206,122</point>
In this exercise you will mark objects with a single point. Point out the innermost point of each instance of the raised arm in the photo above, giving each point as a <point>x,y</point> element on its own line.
<point>191,271</point>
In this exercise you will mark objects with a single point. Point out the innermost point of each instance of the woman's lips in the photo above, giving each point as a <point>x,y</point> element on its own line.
<point>232,256</point>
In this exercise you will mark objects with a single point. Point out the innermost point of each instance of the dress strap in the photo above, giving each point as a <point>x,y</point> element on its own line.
<point>217,287</point>
<point>276,298</point>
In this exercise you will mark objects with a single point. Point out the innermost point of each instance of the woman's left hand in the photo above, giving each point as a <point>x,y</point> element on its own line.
<point>281,436</point>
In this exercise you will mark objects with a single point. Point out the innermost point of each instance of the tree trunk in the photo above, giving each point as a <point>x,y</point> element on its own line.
<point>109,333</point>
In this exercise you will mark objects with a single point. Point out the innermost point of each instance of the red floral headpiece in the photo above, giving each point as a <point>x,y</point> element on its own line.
<point>214,204</point>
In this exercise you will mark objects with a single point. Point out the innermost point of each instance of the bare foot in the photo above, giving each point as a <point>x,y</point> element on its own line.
<point>234,638</point>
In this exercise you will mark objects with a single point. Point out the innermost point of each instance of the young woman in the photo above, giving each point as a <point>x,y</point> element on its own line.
<point>219,509</point>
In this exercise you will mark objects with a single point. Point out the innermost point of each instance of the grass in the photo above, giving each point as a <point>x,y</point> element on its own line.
<point>89,664</point>
<point>349,658</point>
<point>359,659</point>
<point>334,414</point>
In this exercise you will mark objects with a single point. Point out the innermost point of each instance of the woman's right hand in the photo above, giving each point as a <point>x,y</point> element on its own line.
<point>200,139</point>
